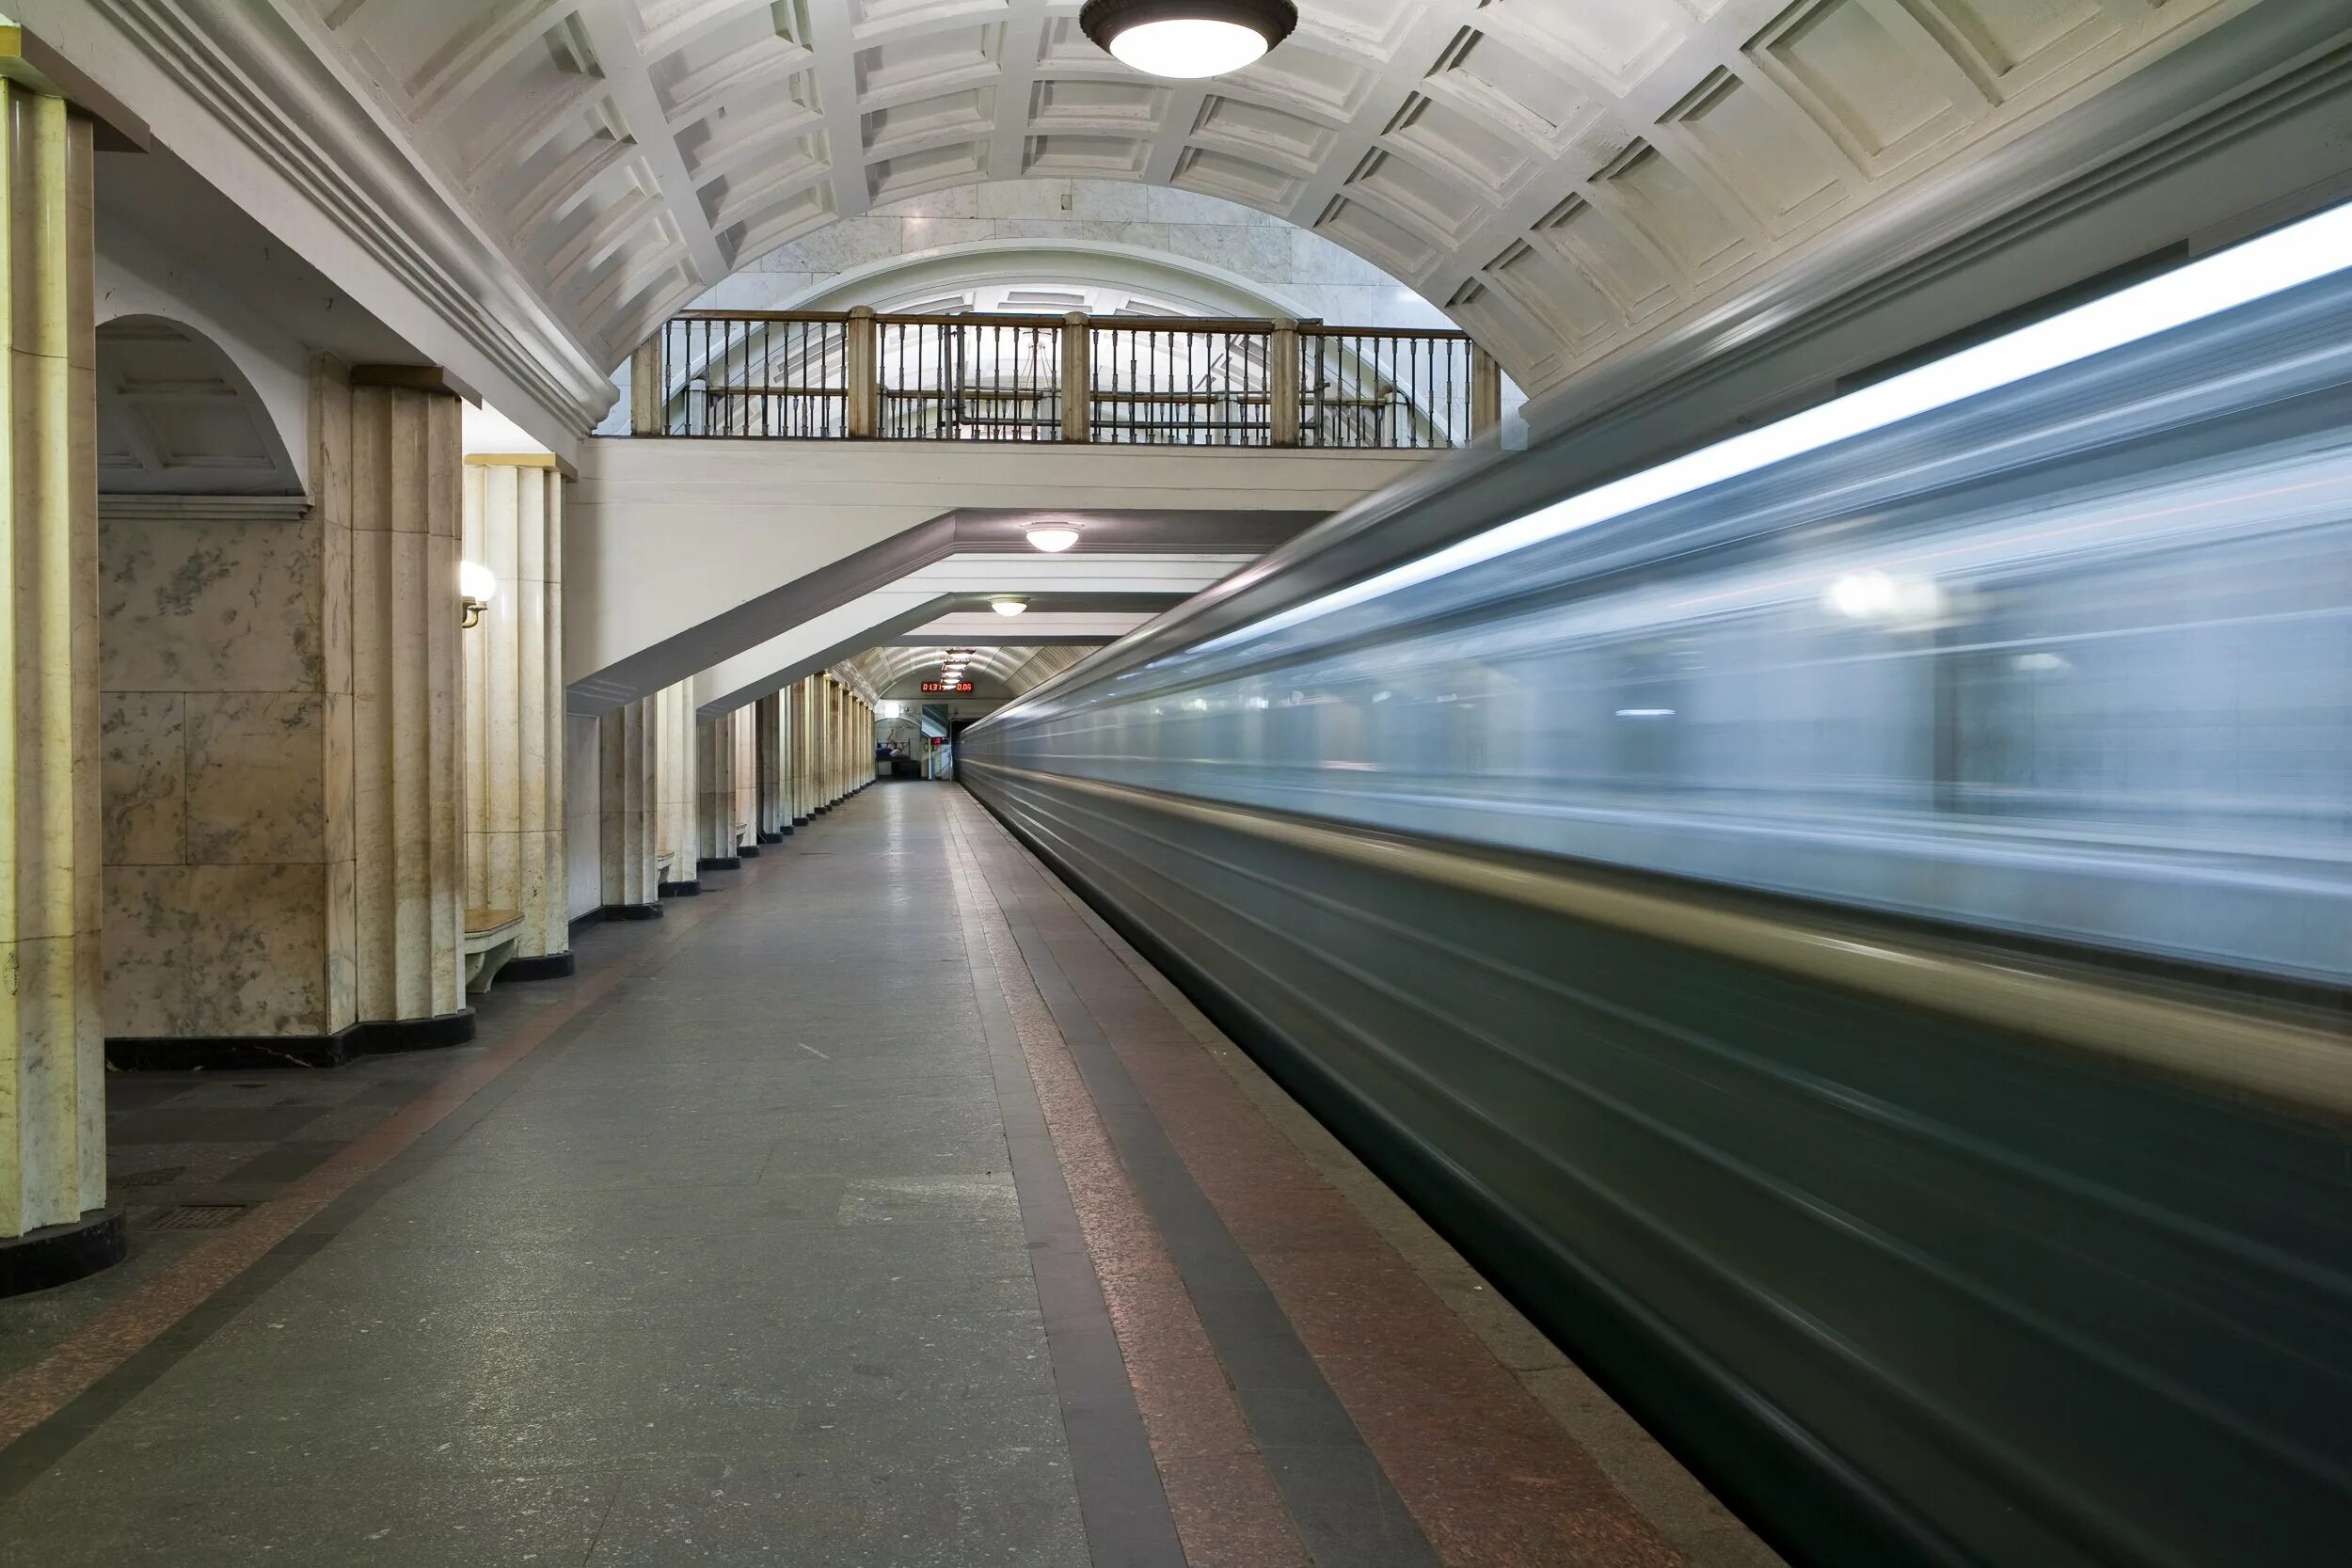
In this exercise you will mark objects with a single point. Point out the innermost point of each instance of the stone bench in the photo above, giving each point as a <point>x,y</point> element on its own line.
<point>491,938</point>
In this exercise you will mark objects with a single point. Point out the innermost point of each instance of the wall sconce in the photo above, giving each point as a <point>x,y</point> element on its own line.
<point>477,585</point>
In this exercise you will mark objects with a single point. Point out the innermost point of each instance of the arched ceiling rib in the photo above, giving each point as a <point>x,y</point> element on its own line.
<point>1559,175</point>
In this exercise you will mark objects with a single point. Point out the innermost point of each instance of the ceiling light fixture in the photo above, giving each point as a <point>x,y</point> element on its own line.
<point>1007,607</point>
<point>1187,38</point>
<point>1054,538</point>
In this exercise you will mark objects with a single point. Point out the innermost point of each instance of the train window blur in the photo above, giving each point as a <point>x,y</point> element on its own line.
<point>2070,656</point>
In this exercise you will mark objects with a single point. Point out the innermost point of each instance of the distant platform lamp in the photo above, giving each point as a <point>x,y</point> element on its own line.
<point>1187,38</point>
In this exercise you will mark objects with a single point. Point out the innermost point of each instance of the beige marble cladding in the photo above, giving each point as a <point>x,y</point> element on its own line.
<point>225,803</point>
<point>513,700</point>
<point>714,777</point>
<point>742,724</point>
<point>677,809</point>
<point>627,805</point>
<point>582,818</point>
<point>772,744</point>
<point>52,1154</point>
<point>402,505</point>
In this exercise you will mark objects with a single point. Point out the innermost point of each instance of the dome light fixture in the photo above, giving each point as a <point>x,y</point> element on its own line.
<point>1007,607</point>
<point>1187,38</point>
<point>1053,538</point>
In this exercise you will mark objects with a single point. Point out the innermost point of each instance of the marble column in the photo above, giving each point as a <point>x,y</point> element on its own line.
<point>742,722</point>
<point>626,792</point>
<point>401,492</point>
<point>514,708</point>
<point>714,770</point>
<point>54,1223</point>
<point>774,742</point>
<point>801,743</point>
<point>675,807</point>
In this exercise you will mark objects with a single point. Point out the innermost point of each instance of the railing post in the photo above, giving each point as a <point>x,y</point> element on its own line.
<point>862,362</point>
<point>1281,383</point>
<point>1486,390</point>
<point>645,387</point>
<point>1077,377</point>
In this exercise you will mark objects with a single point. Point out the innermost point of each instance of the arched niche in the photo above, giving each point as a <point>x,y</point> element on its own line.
<point>177,417</point>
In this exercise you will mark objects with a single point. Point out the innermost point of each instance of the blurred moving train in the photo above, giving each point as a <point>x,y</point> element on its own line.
<point>1848,925</point>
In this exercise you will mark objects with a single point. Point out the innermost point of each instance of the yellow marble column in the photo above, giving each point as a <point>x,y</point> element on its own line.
<point>772,726</point>
<point>627,799</point>
<point>514,708</point>
<point>675,806</point>
<point>714,772</point>
<point>54,1223</point>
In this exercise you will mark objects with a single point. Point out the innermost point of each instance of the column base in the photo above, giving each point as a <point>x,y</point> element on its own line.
<point>543,966</point>
<point>247,1053</point>
<point>678,890</point>
<point>797,822</point>
<point>778,838</point>
<point>720,862</point>
<point>747,851</point>
<point>628,912</point>
<point>60,1254</point>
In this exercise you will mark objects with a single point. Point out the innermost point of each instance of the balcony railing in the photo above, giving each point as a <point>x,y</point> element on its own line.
<point>1129,380</point>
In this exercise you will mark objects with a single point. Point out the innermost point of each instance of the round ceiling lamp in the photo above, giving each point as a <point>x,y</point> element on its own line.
<point>1187,38</point>
<point>1007,607</point>
<point>1053,538</point>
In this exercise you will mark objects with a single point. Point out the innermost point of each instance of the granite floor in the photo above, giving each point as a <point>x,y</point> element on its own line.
<point>879,1207</point>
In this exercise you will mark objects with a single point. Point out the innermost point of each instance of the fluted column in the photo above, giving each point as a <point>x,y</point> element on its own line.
<point>626,804</point>
<point>54,1225</point>
<point>802,745</point>
<point>401,493</point>
<point>514,708</point>
<point>677,809</point>
<point>714,769</point>
<point>745,821</point>
<point>773,739</point>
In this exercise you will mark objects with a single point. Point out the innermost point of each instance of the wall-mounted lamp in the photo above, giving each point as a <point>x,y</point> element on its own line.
<point>1007,607</point>
<point>477,585</point>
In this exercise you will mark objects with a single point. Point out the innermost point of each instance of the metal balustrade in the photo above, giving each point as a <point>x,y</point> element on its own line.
<point>1127,380</point>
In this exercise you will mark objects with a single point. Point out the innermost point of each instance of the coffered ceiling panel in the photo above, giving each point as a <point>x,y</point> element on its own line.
<point>1559,175</point>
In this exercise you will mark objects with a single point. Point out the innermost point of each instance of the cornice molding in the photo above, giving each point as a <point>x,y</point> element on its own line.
<point>271,88</point>
<point>133,508</point>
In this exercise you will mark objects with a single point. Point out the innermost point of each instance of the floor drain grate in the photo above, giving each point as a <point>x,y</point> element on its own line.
<point>199,1216</point>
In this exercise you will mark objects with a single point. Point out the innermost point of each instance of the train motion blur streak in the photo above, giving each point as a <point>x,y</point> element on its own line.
<point>1849,926</point>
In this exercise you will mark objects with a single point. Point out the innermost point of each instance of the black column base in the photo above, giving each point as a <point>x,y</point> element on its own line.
<point>630,911</point>
<point>797,822</point>
<point>543,966</point>
<point>60,1254</point>
<point>767,837</point>
<point>719,862</point>
<point>250,1053</point>
<point>747,851</point>
<point>678,890</point>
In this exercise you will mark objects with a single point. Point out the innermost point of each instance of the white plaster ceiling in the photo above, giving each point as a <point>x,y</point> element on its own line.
<point>1559,175</point>
<point>1015,668</point>
<point>177,417</point>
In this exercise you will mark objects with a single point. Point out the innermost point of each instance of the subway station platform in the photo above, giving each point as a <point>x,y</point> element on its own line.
<point>878,1207</point>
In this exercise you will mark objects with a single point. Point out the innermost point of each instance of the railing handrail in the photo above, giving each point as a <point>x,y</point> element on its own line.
<point>861,374</point>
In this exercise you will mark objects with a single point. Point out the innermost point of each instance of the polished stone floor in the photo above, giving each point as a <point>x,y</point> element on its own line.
<point>879,1206</point>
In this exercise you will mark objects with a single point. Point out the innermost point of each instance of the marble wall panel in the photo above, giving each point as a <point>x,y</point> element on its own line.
<point>583,807</point>
<point>209,605</point>
<point>144,774</point>
<point>256,778</point>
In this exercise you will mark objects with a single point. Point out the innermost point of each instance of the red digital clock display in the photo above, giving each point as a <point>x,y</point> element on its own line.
<point>946,688</point>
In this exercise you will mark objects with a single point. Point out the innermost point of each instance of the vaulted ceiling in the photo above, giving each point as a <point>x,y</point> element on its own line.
<point>1015,668</point>
<point>1560,175</point>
